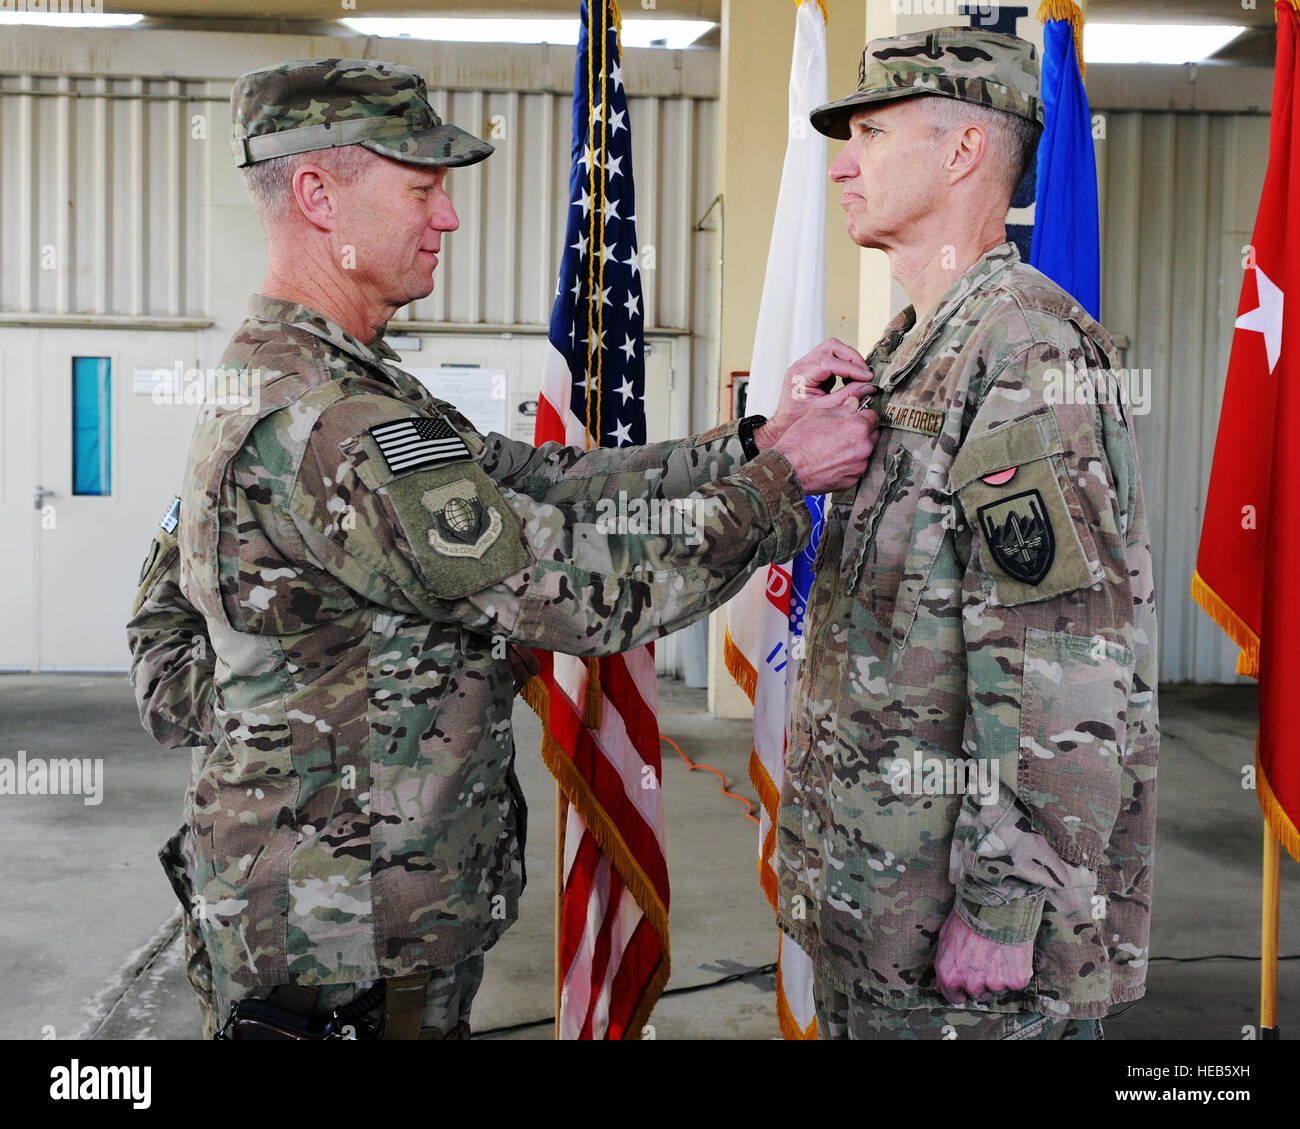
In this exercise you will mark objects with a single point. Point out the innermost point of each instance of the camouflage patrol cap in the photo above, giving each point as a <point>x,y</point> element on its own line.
<point>988,68</point>
<point>309,104</point>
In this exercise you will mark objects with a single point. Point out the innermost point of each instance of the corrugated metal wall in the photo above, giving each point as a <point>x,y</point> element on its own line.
<point>101,195</point>
<point>105,176</point>
<point>501,269</point>
<point>1178,199</point>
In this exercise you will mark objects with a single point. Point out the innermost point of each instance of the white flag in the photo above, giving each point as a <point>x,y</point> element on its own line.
<point>765,620</point>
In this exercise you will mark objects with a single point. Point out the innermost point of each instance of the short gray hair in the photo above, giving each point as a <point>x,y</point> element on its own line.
<point>1013,140</point>
<point>270,182</point>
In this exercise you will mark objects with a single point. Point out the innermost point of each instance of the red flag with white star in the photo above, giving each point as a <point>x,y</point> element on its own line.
<point>1250,539</point>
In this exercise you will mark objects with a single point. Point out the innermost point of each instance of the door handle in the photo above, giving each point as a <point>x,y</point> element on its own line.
<point>39,494</point>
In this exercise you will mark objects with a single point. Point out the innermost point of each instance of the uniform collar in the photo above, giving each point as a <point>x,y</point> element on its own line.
<point>899,361</point>
<point>303,317</point>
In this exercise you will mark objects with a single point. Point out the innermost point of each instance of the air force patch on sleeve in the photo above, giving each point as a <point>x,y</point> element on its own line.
<point>462,526</point>
<point>416,442</point>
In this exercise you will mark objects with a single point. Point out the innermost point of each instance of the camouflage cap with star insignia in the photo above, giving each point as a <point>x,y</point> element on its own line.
<point>309,104</point>
<point>988,68</point>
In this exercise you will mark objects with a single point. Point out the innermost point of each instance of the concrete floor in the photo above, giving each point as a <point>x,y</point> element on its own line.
<point>88,925</point>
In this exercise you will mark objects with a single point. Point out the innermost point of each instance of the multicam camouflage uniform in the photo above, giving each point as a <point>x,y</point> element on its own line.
<point>171,673</point>
<point>359,557</point>
<point>984,597</point>
<point>985,593</point>
<point>353,818</point>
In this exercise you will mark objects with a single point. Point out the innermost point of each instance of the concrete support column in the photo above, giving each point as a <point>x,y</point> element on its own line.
<point>757,42</point>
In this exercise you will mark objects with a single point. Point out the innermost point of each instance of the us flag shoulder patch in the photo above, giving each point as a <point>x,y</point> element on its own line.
<point>408,444</point>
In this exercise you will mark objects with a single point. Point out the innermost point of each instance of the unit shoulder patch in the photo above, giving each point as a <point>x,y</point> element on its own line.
<point>1033,540</point>
<point>462,533</point>
<point>462,525</point>
<point>1018,531</point>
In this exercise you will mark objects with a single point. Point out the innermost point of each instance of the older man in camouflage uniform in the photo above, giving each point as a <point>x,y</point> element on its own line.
<point>983,600</point>
<point>360,558</point>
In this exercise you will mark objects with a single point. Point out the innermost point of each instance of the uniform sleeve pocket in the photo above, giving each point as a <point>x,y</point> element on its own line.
<point>1031,535</point>
<point>459,532</point>
<point>1072,732</point>
<point>163,556</point>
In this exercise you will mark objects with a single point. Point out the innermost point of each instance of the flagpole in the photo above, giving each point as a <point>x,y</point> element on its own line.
<point>1268,944</point>
<point>561,820</point>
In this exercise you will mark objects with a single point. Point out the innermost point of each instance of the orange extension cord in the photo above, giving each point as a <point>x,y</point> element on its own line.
<point>709,768</point>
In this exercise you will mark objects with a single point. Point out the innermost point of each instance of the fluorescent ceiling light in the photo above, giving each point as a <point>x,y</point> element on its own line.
<point>564,32</point>
<point>1154,43</point>
<point>663,33</point>
<point>70,19</point>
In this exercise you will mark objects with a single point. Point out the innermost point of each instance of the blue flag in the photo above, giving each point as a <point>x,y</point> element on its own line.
<point>1067,235</point>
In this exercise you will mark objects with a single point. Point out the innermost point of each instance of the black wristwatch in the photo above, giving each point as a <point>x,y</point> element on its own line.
<point>745,431</point>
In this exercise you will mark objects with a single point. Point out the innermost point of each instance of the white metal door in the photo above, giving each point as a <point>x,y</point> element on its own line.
<point>18,519</point>
<point>88,548</point>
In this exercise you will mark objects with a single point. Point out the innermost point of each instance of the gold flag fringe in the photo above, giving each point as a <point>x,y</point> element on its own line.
<point>826,19</point>
<point>1274,813</point>
<point>769,796</point>
<point>1295,6</point>
<point>790,1028</point>
<point>1233,625</point>
<point>1068,11</point>
<point>739,667</point>
<point>576,790</point>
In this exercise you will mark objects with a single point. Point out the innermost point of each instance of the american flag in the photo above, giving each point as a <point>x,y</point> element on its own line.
<point>601,730</point>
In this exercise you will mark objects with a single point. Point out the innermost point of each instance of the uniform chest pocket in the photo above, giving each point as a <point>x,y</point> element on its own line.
<point>892,545</point>
<point>1030,534</point>
<point>863,526</point>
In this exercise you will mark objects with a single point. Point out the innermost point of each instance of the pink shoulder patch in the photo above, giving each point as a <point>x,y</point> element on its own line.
<point>1001,478</point>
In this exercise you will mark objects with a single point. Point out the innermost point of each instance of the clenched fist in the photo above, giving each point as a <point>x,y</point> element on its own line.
<point>968,965</point>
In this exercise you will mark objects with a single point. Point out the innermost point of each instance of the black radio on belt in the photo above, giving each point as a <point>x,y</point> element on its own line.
<point>265,1021</point>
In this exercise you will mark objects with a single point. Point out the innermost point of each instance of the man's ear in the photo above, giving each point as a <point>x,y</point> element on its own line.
<point>315,195</point>
<point>968,150</point>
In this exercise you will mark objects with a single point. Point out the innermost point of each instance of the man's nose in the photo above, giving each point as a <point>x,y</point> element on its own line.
<point>445,217</point>
<point>844,167</point>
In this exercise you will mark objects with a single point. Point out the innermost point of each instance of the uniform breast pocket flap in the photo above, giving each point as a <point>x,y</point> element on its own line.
<point>1031,535</point>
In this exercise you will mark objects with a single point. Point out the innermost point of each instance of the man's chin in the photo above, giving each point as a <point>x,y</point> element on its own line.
<point>418,288</point>
<point>864,238</point>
